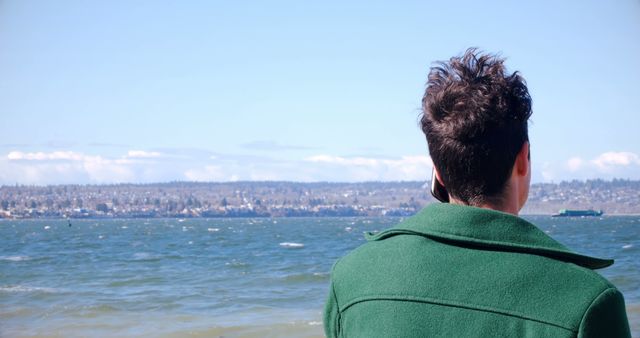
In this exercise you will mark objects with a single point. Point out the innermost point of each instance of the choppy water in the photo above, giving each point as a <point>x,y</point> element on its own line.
<point>217,277</point>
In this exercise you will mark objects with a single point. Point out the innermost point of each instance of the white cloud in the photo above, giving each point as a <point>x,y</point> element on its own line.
<point>547,172</point>
<point>152,166</point>
<point>102,170</point>
<point>41,156</point>
<point>313,168</point>
<point>608,165</point>
<point>143,154</point>
<point>210,173</point>
<point>371,161</point>
<point>371,168</point>
<point>357,161</point>
<point>73,167</point>
<point>574,164</point>
<point>610,160</point>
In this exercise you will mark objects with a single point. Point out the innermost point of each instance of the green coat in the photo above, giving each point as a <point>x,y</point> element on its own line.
<point>459,271</point>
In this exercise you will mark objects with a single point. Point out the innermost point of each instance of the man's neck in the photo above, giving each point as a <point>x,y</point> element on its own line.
<point>506,206</point>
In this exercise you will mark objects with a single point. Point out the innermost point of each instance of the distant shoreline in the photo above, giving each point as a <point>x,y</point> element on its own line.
<point>273,217</point>
<point>271,199</point>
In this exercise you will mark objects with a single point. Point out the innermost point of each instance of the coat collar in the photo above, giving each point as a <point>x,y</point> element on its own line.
<point>489,229</point>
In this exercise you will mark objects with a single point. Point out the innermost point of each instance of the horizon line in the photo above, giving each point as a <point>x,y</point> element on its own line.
<point>283,181</point>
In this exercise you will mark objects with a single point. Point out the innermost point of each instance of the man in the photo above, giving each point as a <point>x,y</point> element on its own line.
<point>472,267</point>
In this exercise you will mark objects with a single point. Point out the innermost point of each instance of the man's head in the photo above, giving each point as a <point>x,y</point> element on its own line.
<point>474,115</point>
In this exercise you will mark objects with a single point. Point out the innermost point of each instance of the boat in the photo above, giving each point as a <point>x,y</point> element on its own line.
<point>578,213</point>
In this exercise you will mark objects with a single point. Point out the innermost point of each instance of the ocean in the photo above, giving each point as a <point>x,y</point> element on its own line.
<point>219,277</point>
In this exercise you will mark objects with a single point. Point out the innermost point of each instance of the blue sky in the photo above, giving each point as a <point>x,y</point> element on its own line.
<point>147,91</point>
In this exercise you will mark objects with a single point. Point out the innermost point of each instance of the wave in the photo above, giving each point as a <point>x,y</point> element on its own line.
<point>15,258</point>
<point>236,263</point>
<point>24,288</point>
<point>292,245</point>
<point>136,281</point>
<point>306,277</point>
<point>145,257</point>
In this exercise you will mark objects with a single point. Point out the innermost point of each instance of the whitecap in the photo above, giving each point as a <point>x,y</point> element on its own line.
<point>143,256</point>
<point>213,229</point>
<point>348,229</point>
<point>235,262</point>
<point>14,258</point>
<point>627,246</point>
<point>23,288</point>
<point>46,227</point>
<point>291,245</point>
<point>314,323</point>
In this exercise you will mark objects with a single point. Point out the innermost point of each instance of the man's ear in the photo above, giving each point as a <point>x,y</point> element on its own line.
<point>522,160</point>
<point>438,175</point>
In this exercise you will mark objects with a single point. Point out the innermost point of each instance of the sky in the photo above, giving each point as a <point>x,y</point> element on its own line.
<point>96,92</point>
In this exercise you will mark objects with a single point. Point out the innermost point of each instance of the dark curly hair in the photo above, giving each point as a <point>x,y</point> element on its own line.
<point>474,116</point>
